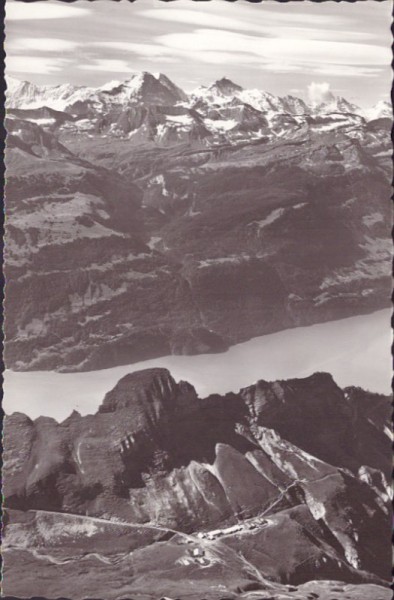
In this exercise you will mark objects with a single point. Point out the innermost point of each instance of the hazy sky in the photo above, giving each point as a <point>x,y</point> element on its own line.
<point>281,48</point>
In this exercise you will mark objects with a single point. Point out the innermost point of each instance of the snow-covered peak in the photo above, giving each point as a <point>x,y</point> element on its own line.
<point>383,109</point>
<point>295,105</point>
<point>13,83</point>
<point>110,85</point>
<point>225,87</point>
<point>140,87</point>
<point>23,94</point>
<point>19,92</point>
<point>225,92</point>
<point>335,104</point>
<point>260,100</point>
<point>220,92</point>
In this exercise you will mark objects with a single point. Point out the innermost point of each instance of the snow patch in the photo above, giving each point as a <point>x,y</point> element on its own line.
<point>317,508</point>
<point>220,125</point>
<point>181,119</point>
<point>271,218</point>
<point>208,262</point>
<point>48,121</point>
<point>373,218</point>
<point>159,180</point>
<point>154,240</point>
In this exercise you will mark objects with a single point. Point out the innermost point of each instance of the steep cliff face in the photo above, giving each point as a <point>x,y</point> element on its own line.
<point>331,428</point>
<point>157,455</point>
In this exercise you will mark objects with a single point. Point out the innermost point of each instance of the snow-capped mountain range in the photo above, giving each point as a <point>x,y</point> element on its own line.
<point>158,89</point>
<point>150,107</point>
<point>143,86</point>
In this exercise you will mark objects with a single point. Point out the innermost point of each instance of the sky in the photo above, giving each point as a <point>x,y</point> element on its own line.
<point>301,48</point>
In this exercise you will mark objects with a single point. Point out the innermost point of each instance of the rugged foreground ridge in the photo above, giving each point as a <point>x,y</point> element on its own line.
<point>281,488</point>
<point>143,222</point>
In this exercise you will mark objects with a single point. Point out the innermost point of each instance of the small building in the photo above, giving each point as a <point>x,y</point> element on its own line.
<point>197,552</point>
<point>233,529</point>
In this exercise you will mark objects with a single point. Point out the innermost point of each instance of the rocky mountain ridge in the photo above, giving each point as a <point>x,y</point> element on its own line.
<point>150,107</point>
<point>144,223</point>
<point>225,489</point>
<point>158,89</point>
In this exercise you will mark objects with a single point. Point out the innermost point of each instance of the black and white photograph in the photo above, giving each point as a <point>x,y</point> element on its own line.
<point>197,383</point>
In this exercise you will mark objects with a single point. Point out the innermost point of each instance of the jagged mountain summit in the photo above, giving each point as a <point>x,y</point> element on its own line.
<point>222,87</point>
<point>170,493</point>
<point>225,91</point>
<point>169,113</point>
<point>150,108</point>
<point>333,104</point>
<point>155,89</point>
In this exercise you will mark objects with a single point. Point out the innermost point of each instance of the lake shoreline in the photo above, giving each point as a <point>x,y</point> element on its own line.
<point>355,350</point>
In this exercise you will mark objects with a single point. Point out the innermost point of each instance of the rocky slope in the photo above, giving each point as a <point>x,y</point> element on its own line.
<point>265,487</point>
<point>143,221</point>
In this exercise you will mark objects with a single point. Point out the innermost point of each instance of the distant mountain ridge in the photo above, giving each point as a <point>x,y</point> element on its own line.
<point>142,86</point>
<point>151,108</point>
<point>158,88</point>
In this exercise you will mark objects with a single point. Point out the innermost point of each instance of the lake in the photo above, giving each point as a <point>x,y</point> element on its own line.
<point>355,350</point>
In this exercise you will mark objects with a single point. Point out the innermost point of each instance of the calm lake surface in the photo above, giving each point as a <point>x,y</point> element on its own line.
<point>356,351</point>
